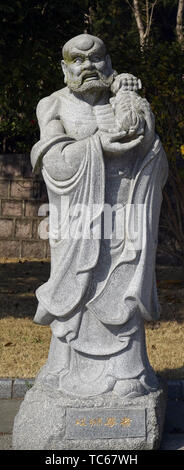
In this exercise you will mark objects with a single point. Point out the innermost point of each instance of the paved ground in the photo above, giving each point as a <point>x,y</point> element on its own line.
<point>173,436</point>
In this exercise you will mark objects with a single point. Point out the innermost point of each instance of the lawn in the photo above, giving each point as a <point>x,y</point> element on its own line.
<point>24,345</point>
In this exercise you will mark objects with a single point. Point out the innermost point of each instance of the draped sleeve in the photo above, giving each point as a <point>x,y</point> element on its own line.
<point>74,175</point>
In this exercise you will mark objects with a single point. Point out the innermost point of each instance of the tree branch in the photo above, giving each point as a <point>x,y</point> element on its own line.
<point>130,5</point>
<point>149,18</point>
<point>144,31</point>
<point>151,14</point>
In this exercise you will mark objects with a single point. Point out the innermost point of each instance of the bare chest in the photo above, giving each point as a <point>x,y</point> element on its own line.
<point>81,120</point>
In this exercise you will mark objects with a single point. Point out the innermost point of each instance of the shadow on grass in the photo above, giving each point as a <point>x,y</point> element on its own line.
<point>18,282</point>
<point>173,374</point>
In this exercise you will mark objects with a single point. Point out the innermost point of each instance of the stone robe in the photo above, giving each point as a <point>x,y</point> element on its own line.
<point>101,288</point>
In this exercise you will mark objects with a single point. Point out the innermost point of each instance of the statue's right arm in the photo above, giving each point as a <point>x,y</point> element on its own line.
<point>64,156</point>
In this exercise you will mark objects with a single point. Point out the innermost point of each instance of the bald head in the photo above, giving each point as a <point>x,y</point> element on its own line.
<point>83,43</point>
<point>85,64</point>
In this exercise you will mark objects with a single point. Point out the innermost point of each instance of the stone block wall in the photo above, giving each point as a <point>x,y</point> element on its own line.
<point>21,195</point>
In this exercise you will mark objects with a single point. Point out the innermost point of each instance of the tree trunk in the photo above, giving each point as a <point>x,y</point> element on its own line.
<point>179,23</point>
<point>139,23</point>
<point>144,30</point>
<point>88,21</point>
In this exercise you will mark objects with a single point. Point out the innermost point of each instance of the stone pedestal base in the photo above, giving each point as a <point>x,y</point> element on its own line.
<point>50,420</point>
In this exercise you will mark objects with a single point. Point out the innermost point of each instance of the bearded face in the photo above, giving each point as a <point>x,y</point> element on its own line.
<point>87,69</point>
<point>88,80</point>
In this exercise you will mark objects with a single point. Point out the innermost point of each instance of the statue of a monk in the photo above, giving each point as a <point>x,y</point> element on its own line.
<point>98,150</point>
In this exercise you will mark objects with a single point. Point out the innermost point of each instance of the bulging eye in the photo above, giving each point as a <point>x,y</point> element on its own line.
<point>78,60</point>
<point>96,58</point>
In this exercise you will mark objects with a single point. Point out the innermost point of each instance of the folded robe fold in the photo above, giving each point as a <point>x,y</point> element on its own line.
<point>73,258</point>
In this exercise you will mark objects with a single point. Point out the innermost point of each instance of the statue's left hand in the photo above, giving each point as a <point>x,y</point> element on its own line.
<point>116,143</point>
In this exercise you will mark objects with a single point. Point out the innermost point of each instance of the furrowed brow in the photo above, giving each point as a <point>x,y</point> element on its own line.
<point>73,55</point>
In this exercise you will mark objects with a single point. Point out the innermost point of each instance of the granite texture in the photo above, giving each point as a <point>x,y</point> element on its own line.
<point>104,168</point>
<point>21,386</point>
<point>45,421</point>
<point>175,388</point>
<point>6,388</point>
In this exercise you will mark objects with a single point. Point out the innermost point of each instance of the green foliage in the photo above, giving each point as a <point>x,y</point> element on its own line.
<point>32,35</point>
<point>160,68</point>
<point>161,75</point>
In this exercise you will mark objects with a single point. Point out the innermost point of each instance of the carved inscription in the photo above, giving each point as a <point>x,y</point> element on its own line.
<point>110,422</point>
<point>104,423</point>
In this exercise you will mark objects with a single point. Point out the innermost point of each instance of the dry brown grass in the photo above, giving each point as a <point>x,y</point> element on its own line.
<point>165,349</point>
<point>24,345</point>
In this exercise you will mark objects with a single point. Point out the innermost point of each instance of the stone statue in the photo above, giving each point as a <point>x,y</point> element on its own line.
<point>98,146</point>
<point>104,168</point>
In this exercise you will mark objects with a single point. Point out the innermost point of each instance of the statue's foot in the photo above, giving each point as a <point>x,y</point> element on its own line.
<point>129,388</point>
<point>51,378</point>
